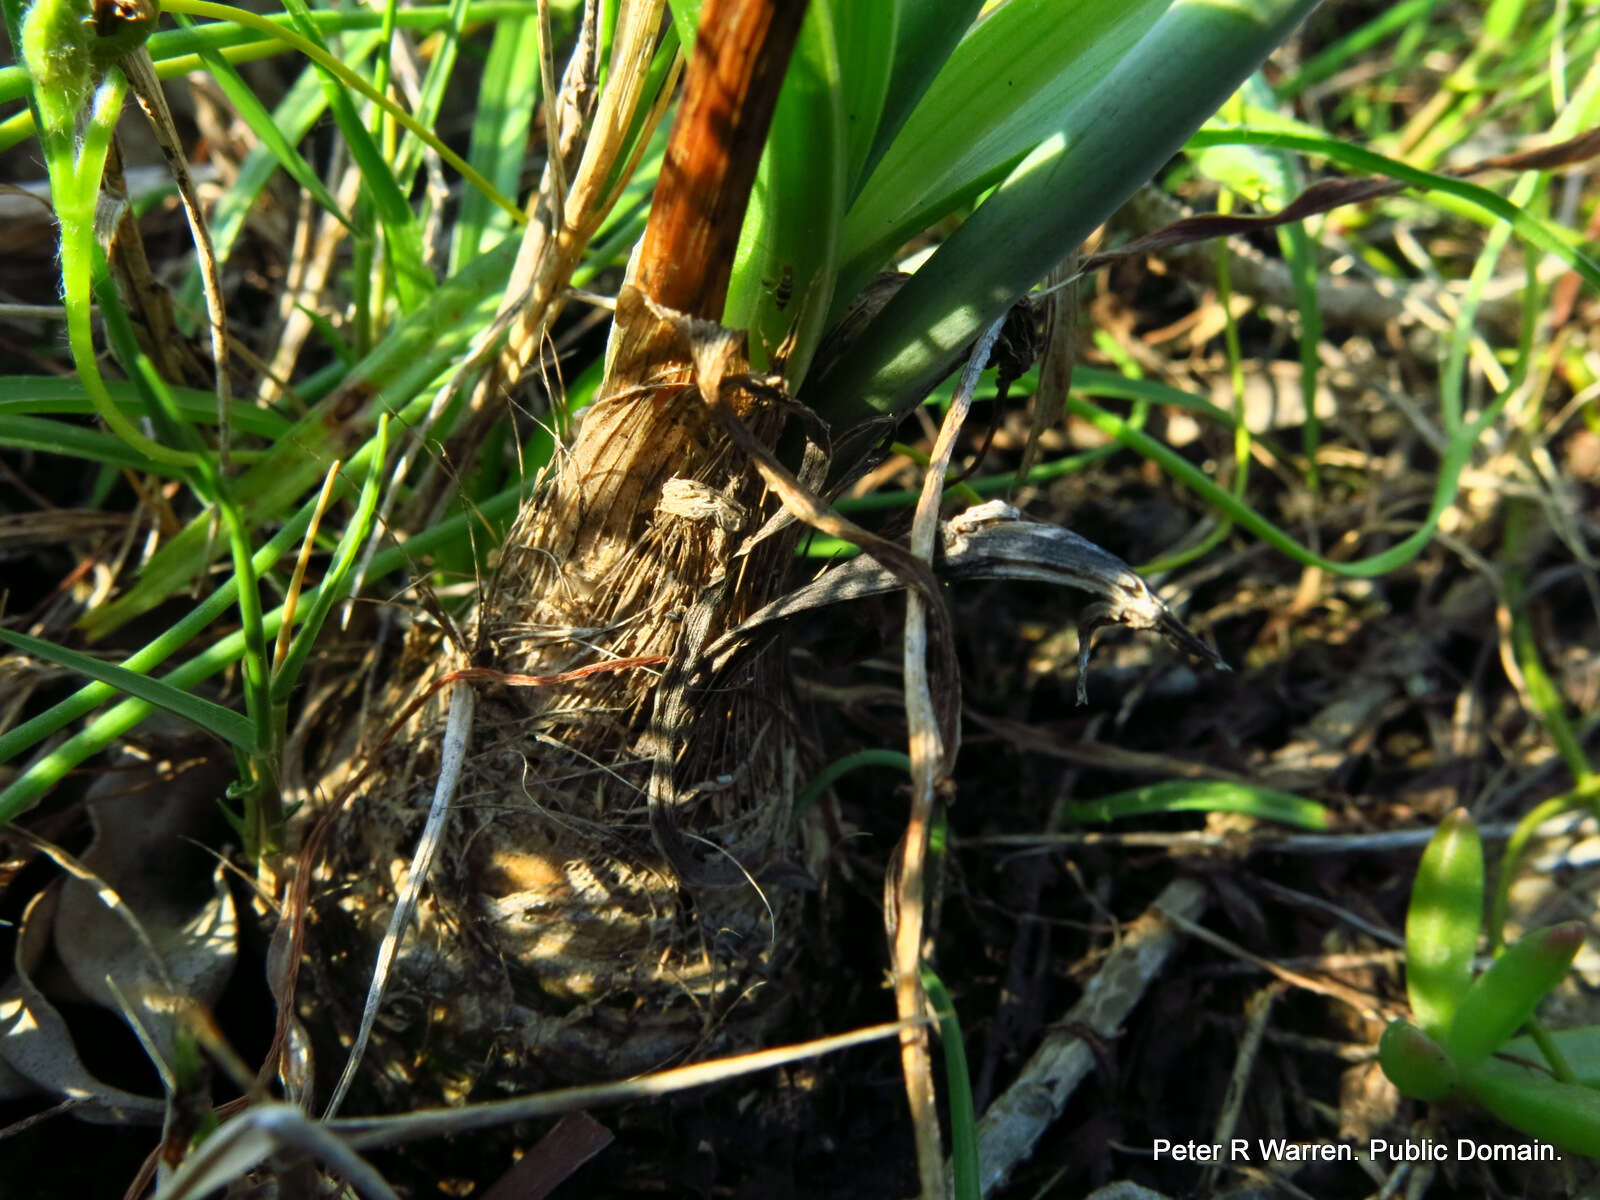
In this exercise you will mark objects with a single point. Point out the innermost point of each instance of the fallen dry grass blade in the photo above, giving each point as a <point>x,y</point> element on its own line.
<point>366,1132</point>
<point>141,73</point>
<point>1362,1002</point>
<point>1257,1015</point>
<point>932,744</point>
<point>1056,358</point>
<point>457,735</point>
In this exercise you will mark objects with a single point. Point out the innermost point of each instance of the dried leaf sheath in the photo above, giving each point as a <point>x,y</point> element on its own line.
<point>550,890</point>
<point>558,942</point>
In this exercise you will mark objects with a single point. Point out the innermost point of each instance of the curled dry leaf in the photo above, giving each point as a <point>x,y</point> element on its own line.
<point>135,929</point>
<point>141,852</point>
<point>995,541</point>
<point>36,1043</point>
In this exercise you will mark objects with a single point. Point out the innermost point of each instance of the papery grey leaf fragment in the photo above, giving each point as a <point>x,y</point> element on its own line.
<point>257,1134</point>
<point>141,852</point>
<point>133,928</point>
<point>36,1043</point>
<point>995,541</point>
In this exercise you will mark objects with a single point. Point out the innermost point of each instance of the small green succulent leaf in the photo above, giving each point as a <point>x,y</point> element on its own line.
<point>1443,922</point>
<point>1415,1063</point>
<point>213,718</point>
<point>1567,1115</point>
<point>1501,1000</point>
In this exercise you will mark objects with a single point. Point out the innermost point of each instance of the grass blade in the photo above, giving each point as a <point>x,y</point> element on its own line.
<point>1191,795</point>
<point>26,790</point>
<point>402,236</point>
<point>1480,201</point>
<point>401,367</point>
<point>213,718</point>
<point>958,1091</point>
<point>507,95</point>
<point>336,582</point>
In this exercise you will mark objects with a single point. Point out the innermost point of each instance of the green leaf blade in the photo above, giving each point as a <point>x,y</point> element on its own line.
<point>1075,177</point>
<point>507,95</point>
<point>221,722</point>
<point>783,273</point>
<point>996,98</point>
<point>1195,795</point>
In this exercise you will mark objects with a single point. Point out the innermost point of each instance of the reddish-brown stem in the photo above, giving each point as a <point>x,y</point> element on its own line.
<point>741,52</point>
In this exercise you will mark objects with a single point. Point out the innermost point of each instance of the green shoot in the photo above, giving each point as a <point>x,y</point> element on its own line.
<point>221,722</point>
<point>1468,1023</point>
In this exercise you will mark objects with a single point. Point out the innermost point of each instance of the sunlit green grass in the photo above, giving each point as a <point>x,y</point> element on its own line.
<point>883,189</point>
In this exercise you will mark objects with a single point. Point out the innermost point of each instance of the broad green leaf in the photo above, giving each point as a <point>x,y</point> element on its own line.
<point>685,20</point>
<point>868,38</point>
<point>1001,92</point>
<point>1443,922</point>
<point>925,33</point>
<point>783,271</point>
<point>213,718</point>
<point>1090,153</point>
